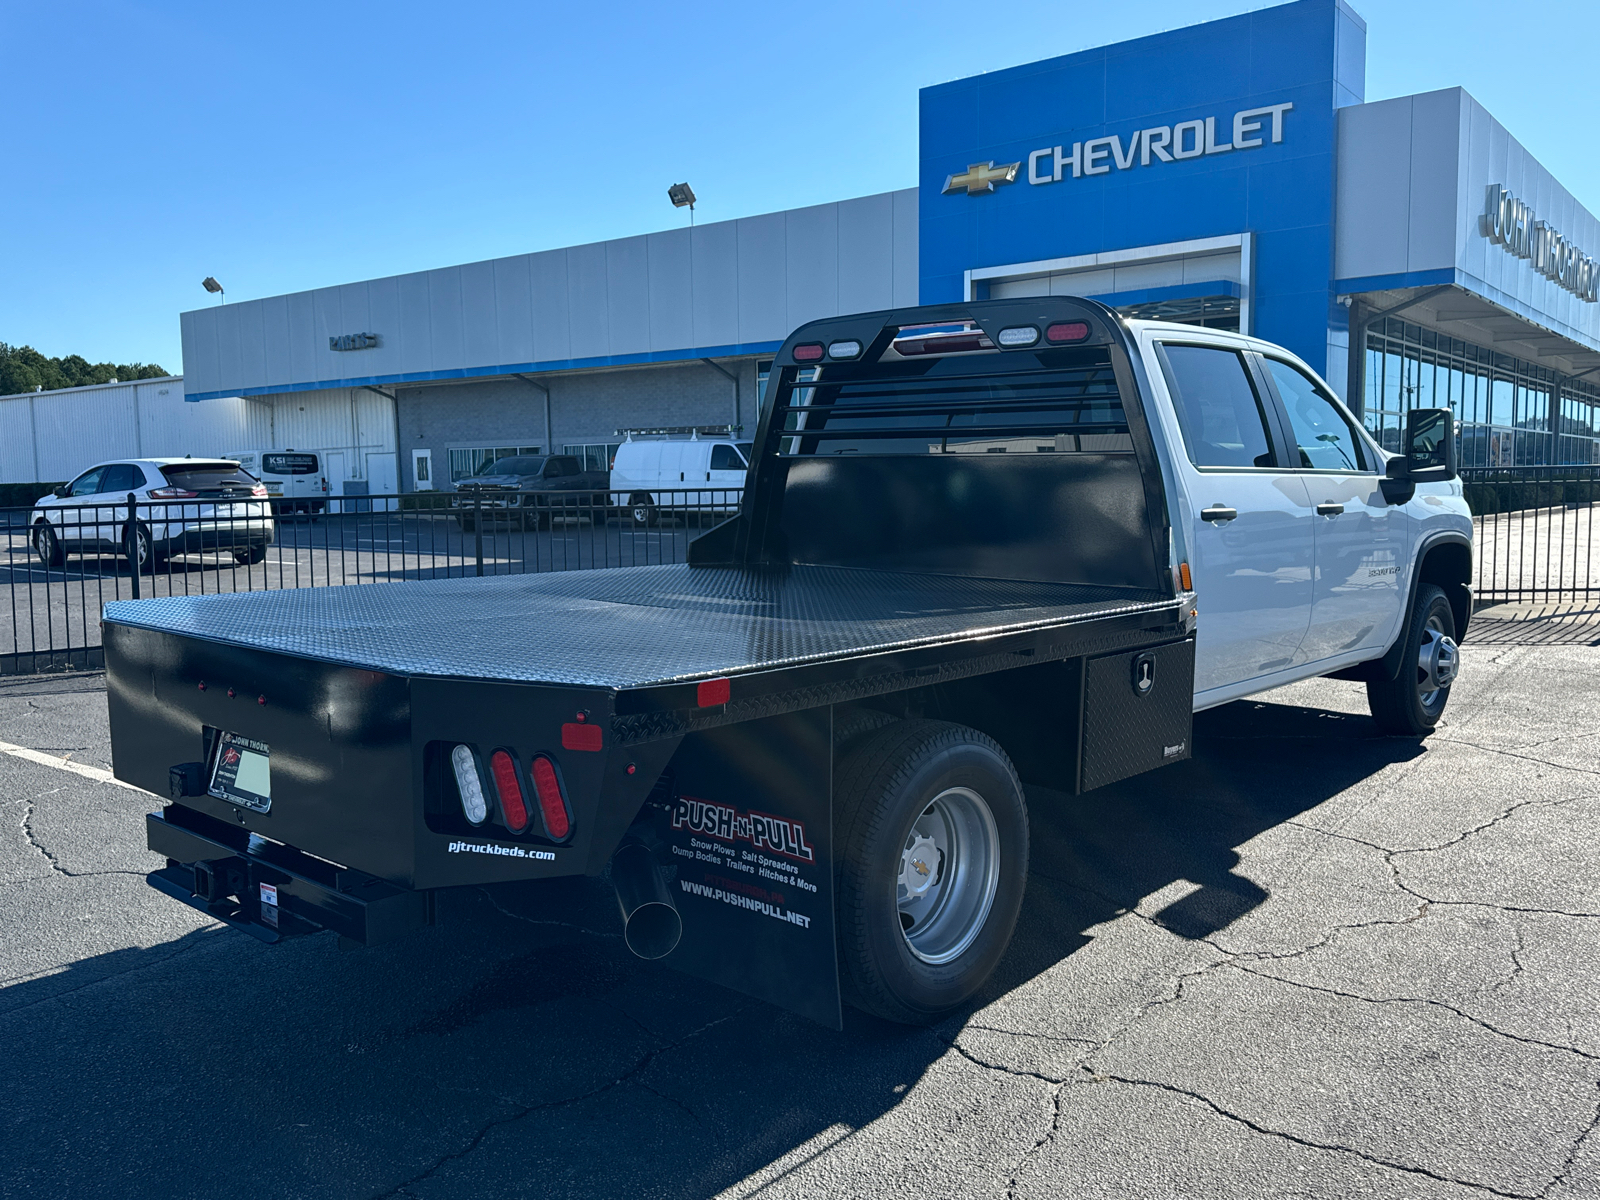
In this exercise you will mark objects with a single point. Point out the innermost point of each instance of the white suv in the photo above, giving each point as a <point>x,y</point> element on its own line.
<point>183,505</point>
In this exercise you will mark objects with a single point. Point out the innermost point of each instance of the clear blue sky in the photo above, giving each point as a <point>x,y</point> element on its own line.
<point>290,145</point>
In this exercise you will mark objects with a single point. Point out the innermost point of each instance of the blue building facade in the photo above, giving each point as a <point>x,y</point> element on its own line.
<point>1220,129</point>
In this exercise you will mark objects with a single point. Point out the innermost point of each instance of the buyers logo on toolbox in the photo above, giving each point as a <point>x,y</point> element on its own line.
<point>761,830</point>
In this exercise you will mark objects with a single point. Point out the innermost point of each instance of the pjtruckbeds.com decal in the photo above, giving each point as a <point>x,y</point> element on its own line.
<point>761,830</point>
<point>504,851</point>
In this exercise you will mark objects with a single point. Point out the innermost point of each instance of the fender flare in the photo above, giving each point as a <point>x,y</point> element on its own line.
<point>1387,667</point>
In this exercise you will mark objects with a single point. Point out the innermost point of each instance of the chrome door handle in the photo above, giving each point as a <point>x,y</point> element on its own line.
<point>1219,512</point>
<point>1329,510</point>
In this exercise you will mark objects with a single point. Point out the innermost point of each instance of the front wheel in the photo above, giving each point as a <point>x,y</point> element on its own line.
<point>1412,702</point>
<point>931,865</point>
<point>248,558</point>
<point>47,545</point>
<point>642,510</point>
<point>137,548</point>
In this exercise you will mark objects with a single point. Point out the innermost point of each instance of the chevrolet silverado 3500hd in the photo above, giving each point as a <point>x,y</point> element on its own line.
<point>981,543</point>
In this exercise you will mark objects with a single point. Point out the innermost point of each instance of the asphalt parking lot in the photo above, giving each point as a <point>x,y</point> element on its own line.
<point>1311,962</point>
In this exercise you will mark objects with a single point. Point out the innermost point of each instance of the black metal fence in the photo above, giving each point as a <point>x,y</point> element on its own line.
<point>1535,543</point>
<point>1535,533</point>
<point>60,564</point>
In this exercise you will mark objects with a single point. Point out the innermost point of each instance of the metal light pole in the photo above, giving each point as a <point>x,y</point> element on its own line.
<point>682,196</point>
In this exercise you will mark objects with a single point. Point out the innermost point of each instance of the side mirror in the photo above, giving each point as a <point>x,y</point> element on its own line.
<point>1430,445</point>
<point>62,492</point>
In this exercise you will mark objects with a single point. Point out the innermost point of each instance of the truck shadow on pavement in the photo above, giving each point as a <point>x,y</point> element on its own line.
<point>517,1049</point>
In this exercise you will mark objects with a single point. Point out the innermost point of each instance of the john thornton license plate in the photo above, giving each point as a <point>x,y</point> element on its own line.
<point>241,774</point>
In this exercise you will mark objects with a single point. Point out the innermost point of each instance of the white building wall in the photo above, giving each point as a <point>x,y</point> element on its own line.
<point>51,436</point>
<point>719,289</point>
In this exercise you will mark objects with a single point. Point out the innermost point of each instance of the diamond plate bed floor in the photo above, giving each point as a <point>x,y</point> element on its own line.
<point>628,628</point>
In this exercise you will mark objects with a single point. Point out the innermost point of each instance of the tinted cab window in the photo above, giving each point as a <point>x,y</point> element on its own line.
<point>1223,420</point>
<point>560,466</point>
<point>1324,439</point>
<point>121,477</point>
<point>725,458</point>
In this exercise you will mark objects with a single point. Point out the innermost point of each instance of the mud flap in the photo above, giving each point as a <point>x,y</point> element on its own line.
<point>746,840</point>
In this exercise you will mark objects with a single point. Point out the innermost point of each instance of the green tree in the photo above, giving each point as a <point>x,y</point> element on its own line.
<point>24,369</point>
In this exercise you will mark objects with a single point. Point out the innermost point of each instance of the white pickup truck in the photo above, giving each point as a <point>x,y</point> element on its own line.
<point>981,544</point>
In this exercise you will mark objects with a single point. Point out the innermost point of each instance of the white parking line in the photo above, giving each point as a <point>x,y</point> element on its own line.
<point>98,774</point>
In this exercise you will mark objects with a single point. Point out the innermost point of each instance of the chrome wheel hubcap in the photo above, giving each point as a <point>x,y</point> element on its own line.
<point>949,873</point>
<point>1438,661</point>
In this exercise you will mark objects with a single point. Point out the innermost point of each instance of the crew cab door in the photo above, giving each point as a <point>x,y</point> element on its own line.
<point>1251,541</point>
<point>1356,599</point>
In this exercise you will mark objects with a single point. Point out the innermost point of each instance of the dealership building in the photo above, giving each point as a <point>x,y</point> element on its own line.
<point>1230,174</point>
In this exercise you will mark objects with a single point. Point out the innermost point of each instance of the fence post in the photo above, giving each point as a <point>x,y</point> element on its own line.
<point>133,543</point>
<point>477,528</point>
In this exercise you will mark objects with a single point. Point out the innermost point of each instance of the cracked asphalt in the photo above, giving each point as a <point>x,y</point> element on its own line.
<point>1312,962</point>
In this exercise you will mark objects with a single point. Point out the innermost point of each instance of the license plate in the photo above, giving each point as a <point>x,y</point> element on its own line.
<point>275,489</point>
<point>241,774</point>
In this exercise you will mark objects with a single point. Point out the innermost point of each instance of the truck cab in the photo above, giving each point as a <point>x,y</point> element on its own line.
<point>1307,555</point>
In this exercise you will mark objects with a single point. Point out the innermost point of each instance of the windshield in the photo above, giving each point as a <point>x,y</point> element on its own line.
<point>209,477</point>
<point>519,465</point>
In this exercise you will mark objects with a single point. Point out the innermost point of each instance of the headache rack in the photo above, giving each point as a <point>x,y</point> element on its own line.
<point>984,404</point>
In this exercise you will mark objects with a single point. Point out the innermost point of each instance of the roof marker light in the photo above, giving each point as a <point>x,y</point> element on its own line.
<point>509,788</point>
<point>850,349</point>
<point>473,802</point>
<point>552,803</point>
<point>1067,331</point>
<point>1018,335</point>
<point>809,352</point>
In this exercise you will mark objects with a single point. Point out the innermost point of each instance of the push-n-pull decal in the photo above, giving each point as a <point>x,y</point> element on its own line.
<point>761,830</point>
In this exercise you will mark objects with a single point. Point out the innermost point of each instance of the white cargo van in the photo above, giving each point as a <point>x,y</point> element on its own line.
<point>295,479</point>
<point>678,472</point>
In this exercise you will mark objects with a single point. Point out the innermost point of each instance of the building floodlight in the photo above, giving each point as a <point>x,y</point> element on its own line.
<point>211,285</point>
<point>682,196</point>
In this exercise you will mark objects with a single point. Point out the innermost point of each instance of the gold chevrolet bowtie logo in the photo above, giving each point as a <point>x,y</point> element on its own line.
<point>981,177</point>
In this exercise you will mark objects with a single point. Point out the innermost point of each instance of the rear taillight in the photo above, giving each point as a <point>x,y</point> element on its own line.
<point>513,807</point>
<point>808,352</point>
<point>258,490</point>
<point>552,803</point>
<point>469,783</point>
<point>172,493</point>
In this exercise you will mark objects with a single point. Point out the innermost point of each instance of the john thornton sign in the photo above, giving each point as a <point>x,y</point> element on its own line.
<point>1510,223</point>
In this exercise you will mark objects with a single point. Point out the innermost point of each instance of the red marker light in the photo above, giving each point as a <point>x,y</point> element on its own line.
<point>512,805</point>
<point>261,700</point>
<point>1067,331</point>
<point>713,692</point>
<point>581,737</point>
<point>810,352</point>
<point>547,785</point>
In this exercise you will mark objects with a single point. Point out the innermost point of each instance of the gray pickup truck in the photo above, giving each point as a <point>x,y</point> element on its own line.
<point>528,489</point>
